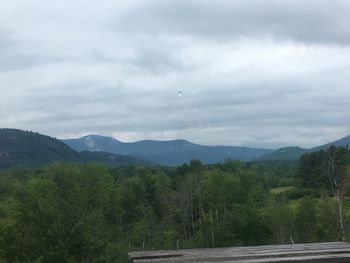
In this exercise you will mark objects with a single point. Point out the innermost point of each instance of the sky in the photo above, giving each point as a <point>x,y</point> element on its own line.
<point>255,73</point>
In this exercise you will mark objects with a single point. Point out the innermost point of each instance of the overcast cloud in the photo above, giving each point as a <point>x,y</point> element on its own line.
<point>257,73</point>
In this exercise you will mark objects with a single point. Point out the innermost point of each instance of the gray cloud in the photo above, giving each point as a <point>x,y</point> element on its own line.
<point>11,57</point>
<point>256,73</point>
<point>312,21</point>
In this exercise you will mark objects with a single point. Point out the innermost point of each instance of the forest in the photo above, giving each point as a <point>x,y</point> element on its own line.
<point>69,212</point>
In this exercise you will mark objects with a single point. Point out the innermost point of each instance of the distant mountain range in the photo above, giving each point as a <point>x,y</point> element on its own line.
<point>175,152</point>
<point>29,149</point>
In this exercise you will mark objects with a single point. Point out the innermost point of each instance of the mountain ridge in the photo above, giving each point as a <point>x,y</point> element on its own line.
<point>26,148</point>
<point>178,151</point>
<point>169,152</point>
<point>294,153</point>
<point>344,141</point>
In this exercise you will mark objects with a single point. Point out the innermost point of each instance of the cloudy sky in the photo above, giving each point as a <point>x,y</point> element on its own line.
<point>258,73</point>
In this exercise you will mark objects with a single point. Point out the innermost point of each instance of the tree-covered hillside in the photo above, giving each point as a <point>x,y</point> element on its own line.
<point>24,148</point>
<point>110,159</point>
<point>30,149</point>
<point>283,154</point>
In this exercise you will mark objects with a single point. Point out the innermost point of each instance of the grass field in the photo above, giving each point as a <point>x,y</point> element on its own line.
<point>282,189</point>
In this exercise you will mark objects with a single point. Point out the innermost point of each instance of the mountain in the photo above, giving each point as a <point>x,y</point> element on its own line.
<point>341,142</point>
<point>174,152</point>
<point>294,153</point>
<point>283,154</point>
<point>94,143</point>
<point>29,149</point>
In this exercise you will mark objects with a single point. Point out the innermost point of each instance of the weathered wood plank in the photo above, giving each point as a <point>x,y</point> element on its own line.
<point>247,248</point>
<point>318,252</point>
<point>241,256</point>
